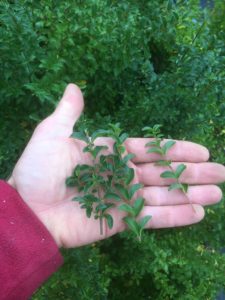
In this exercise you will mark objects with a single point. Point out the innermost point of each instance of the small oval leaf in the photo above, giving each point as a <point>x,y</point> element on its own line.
<point>109,220</point>
<point>168,174</point>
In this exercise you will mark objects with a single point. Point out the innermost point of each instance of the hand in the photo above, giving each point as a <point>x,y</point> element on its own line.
<point>50,157</point>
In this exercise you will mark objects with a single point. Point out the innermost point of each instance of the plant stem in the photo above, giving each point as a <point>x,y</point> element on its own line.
<point>178,181</point>
<point>101,224</point>
<point>101,216</point>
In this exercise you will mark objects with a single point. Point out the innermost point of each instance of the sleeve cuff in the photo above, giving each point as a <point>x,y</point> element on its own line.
<point>28,252</point>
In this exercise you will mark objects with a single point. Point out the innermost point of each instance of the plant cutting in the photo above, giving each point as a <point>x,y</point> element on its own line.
<point>108,181</point>
<point>155,146</point>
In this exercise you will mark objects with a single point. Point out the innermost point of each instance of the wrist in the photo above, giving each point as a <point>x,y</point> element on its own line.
<point>43,218</point>
<point>11,182</point>
<point>52,228</point>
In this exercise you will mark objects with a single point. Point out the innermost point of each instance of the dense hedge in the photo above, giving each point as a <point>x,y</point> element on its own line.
<point>139,63</point>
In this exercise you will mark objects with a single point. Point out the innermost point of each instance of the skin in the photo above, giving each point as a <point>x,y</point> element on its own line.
<point>50,157</point>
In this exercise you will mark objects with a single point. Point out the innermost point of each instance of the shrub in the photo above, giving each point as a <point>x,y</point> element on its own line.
<point>139,63</point>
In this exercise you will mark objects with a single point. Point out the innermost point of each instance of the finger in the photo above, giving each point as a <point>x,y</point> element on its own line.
<point>173,216</point>
<point>67,112</point>
<point>201,173</point>
<point>201,194</point>
<point>181,151</point>
<point>163,217</point>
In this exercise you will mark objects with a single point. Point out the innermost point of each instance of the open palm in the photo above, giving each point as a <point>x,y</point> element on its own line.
<point>50,157</point>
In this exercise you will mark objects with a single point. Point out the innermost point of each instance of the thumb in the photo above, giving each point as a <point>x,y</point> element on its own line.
<point>69,109</point>
<point>67,112</point>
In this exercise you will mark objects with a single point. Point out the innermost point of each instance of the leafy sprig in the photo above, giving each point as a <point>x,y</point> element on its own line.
<point>107,182</point>
<point>155,146</point>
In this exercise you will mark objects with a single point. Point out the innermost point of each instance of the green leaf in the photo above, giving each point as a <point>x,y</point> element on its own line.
<point>109,180</point>
<point>101,207</point>
<point>123,137</point>
<point>99,133</point>
<point>115,128</point>
<point>80,135</point>
<point>110,205</point>
<point>168,174</point>
<point>85,177</point>
<point>138,205</point>
<point>71,181</point>
<point>153,143</point>
<point>105,165</point>
<point>185,187</point>
<point>123,191</point>
<point>88,211</point>
<point>127,208</point>
<point>79,199</point>
<point>116,162</point>
<point>175,186</point>
<point>97,149</point>
<point>179,186</point>
<point>99,179</point>
<point>109,220</point>
<point>85,167</point>
<point>87,149</point>
<point>179,170</point>
<point>155,150</point>
<point>153,131</point>
<point>167,146</point>
<point>81,188</point>
<point>146,128</point>
<point>132,224</point>
<point>76,171</point>
<point>129,176</point>
<point>102,159</point>
<point>143,221</point>
<point>112,196</point>
<point>91,198</point>
<point>109,167</point>
<point>88,185</point>
<point>104,206</point>
<point>134,188</point>
<point>118,148</point>
<point>165,163</point>
<point>128,157</point>
<point>157,126</point>
<point>122,149</point>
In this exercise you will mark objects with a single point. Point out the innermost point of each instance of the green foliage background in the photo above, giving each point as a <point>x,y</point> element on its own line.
<point>139,63</point>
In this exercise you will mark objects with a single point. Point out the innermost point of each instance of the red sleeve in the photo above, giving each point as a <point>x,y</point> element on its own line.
<point>28,253</point>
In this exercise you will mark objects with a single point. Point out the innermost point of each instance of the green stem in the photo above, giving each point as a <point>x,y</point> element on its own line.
<point>101,215</point>
<point>101,224</point>
<point>178,181</point>
<point>98,190</point>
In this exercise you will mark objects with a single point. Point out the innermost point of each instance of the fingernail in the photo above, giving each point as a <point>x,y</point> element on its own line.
<point>199,211</point>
